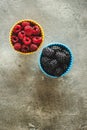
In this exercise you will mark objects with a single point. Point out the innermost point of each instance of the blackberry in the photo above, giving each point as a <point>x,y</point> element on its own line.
<point>48,52</point>
<point>53,64</point>
<point>55,60</point>
<point>45,61</point>
<point>48,70</point>
<point>49,65</point>
<point>67,55</point>
<point>66,52</point>
<point>61,57</point>
<point>58,71</point>
<point>67,60</point>
<point>64,67</point>
<point>56,48</point>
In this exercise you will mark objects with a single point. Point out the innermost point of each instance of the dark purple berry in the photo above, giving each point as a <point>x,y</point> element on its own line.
<point>56,48</point>
<point>48,70</point>
<point>48,52</point>
<point>58,71</point>
<point>53,64</point>
<point>61,57</point>
<point>45,61</point>
<point>64,67</point>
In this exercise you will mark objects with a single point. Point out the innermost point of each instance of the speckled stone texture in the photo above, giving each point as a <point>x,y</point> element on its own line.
<point>28,99</point>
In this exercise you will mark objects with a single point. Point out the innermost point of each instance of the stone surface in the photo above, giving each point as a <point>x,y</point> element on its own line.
<point>28,99</point>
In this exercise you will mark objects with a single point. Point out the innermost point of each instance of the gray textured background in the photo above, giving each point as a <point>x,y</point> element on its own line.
<point>28,99</point>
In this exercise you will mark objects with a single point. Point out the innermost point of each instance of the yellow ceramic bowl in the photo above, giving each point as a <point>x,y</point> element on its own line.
<point>31,21</point>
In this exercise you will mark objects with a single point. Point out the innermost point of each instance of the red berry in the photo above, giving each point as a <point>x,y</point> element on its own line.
<point>28,30</point>
<point>14,39</point>
<point>17,28</point>
<point>37,40</point>
<point>21,34</point>
<point>36,30</point>
<point>25,23</point>
<point>17,46</point>
<point>31,37</point>
<point>25,48</point>
<point>26,40</point>
<point>33,47</point>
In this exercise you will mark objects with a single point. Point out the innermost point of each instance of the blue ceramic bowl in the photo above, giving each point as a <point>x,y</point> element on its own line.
<point>69,66</point>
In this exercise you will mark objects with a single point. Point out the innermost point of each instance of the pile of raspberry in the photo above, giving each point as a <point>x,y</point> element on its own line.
<point>26,37</point>
<point>55,60</point>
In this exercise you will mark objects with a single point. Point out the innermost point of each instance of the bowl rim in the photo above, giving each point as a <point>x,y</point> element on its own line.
<point>30,20</point>
<point>71,62</point>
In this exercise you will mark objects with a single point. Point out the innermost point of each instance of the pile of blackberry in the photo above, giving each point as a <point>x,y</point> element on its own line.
<point>55,60</point>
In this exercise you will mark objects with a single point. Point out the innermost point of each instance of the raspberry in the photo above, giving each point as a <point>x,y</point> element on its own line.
<point>17,28</point>
<point>26,40</point>
<point>17,46</point>
<point>33,47</point>
<point>31,37</point>
<point>58,71</point>
<point>14,39</point>
<point>28,34</point>
<point>21,35</point>
<point>25,48</point>
<point>48,52</point>
<point>36,30</point>
<point>61,57</point>
<point>37,40</point>
<point>28,30</point>
<point>25,23</point>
